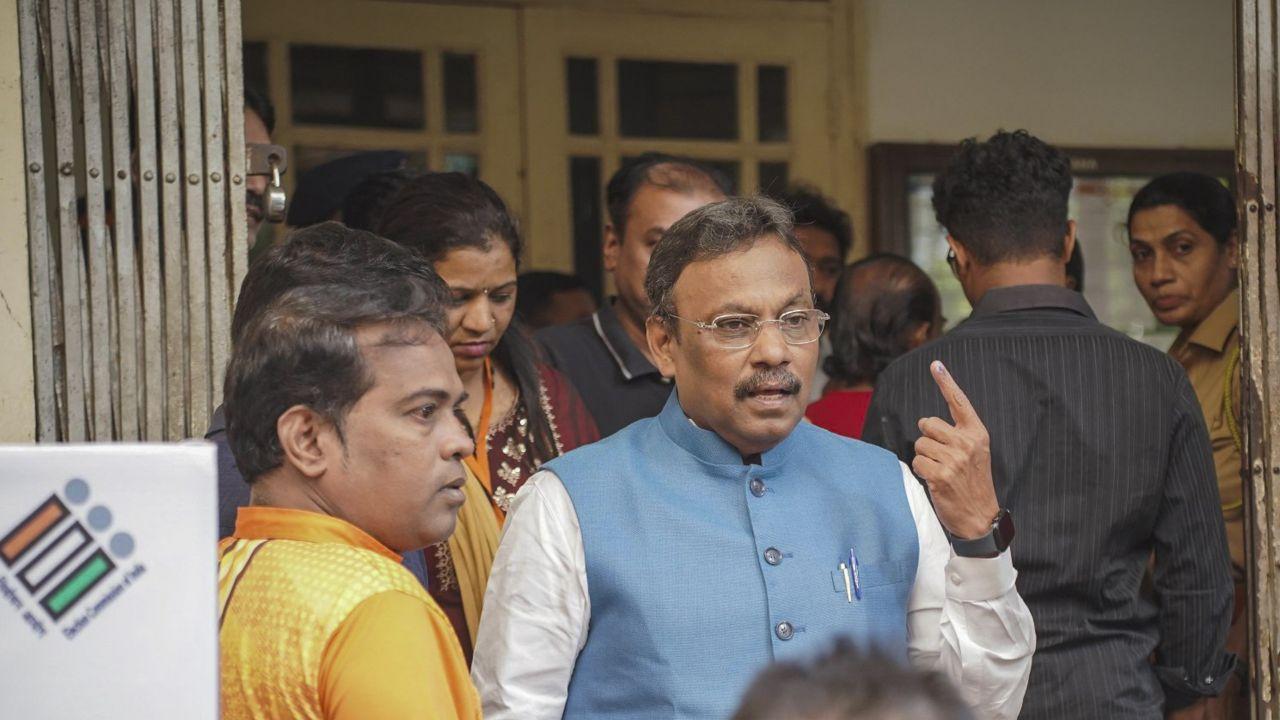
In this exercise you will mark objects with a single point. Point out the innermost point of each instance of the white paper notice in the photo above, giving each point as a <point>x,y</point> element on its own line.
<point>108,581</point>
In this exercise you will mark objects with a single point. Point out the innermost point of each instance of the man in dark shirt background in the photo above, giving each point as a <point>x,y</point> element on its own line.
<point>606,355</point>
<point>1098,446</point>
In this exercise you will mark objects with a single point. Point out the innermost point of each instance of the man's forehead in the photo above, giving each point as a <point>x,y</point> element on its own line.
<point>762,277</point>
<point>657,206</point>
<point>816,240</point>
<point>404,359</point>
<point>255,130</point>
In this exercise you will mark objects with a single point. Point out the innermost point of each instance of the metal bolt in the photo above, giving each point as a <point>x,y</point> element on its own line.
<point>1253,206</point>
<point>148,176</point>
<point>65,168</point>
<point>193,178</point>
<point>216,177</point>
<point>122,174</point>
<point>170,177</point>
<point>1270,207</point>
<point>237,179</point>
<point>1257,467</point>
<point>93,172</point>
<point>34,167</point>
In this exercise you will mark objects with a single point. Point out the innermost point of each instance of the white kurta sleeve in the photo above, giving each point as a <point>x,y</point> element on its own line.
<point>966,619</point>
<point>536,607</point>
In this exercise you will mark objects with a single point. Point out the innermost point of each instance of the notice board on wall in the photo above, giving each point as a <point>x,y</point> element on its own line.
<point>108,581</point>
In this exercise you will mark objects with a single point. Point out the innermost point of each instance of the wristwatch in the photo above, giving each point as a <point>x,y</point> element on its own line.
<point>990,545</point>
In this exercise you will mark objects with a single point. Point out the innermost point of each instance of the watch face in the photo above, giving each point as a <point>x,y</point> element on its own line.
<point>1004,530</point>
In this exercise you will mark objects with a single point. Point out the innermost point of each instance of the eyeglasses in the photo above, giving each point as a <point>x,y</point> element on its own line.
<point>735,332</point>
<point>951,261</point>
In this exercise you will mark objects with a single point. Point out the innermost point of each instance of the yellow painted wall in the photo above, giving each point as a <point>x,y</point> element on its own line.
<point>1136,73</point>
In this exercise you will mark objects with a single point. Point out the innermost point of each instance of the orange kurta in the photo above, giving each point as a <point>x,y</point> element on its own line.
<point>318,620</point>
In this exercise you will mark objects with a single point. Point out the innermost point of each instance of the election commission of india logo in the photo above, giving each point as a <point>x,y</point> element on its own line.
<point>65,563</point>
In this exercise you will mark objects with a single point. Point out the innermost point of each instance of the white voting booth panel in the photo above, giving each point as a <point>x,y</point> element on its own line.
<point>108,581</point>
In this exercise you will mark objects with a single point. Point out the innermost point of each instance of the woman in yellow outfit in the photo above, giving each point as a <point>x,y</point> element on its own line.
<point>523,411</point>
<point>1182,237</point>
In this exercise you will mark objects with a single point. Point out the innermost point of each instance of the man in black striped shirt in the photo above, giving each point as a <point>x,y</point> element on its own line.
<point>1098,446</point>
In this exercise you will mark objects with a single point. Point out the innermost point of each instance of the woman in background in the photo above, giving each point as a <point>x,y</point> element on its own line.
<point>523,412</point>
<point>884,306</point>
<point>1182,238</point>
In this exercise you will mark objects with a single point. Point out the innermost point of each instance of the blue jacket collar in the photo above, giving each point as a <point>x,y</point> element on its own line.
<point>709,447</point>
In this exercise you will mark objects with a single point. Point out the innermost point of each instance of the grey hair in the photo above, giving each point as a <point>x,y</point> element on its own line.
<point>713,231</point>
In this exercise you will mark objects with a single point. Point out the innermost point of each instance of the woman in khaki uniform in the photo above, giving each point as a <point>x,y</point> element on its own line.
<point>1182,237</point>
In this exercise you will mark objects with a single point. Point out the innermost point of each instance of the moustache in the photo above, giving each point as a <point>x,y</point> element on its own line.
<point>785,379</point>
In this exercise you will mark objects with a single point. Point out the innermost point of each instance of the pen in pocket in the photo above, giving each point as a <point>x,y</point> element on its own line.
<point>853,567</point>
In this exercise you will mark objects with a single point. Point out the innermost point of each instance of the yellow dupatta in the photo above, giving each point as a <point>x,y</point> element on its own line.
<point>475,538</point>
<point>473,545</point>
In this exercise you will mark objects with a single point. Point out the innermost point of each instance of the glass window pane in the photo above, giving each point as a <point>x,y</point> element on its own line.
<point>357,87</point>
<point>678,100</point>
<point>1100,207</point>
<point>460,107</point>
<point>255,67</point>
<point>584,96</point>
<point>774,177</point>
<point>732,170</point>
<point>464,163</point>
<point>588,221</point>
<point>929,248</point>
<point>771,103</point>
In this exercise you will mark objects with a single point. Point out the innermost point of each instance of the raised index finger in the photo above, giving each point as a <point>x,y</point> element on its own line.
<point>961,409</point>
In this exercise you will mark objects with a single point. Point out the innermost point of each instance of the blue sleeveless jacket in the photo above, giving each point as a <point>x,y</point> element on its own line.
<point>702,570</point>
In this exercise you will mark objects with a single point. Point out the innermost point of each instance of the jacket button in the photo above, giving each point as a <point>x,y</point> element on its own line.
<point>772,556</point>
<point>784,630</point>
<point>757,487</point>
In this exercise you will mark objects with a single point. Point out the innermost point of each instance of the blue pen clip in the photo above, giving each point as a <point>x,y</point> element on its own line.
<point>853,567</point>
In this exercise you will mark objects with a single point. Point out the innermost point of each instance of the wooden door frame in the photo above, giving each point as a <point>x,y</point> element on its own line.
<point>1257,114</point>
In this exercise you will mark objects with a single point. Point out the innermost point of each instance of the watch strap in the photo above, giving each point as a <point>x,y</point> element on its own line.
<point>981,547</point>
<point>989,545</point>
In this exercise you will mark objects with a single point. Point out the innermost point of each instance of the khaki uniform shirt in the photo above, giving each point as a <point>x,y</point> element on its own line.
<point>1209,352</point>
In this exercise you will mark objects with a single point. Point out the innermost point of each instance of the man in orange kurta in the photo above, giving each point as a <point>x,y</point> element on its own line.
<point>343,415</point>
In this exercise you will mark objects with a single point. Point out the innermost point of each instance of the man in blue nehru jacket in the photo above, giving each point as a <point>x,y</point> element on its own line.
<point>653,574</point>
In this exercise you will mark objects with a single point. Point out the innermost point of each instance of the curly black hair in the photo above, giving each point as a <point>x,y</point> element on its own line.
<point>1005,200</point>
<point>811,207</point>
